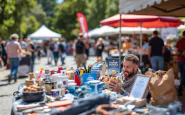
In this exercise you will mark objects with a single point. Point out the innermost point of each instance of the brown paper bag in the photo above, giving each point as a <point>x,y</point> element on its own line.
<point>162,87</point>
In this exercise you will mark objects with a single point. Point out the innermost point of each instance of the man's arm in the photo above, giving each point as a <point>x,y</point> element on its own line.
<point>149,51</point>
<point>86,45</point>
<point>177,50</point>
<point>19,47</point>
<point>163,50</point>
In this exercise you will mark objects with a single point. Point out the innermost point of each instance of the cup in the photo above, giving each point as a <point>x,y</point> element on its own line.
<point>70,74</point>
<point>56,92</point>
<point>63,72</point>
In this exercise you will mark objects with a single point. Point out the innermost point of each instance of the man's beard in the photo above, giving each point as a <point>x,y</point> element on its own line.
<point>129,74</point>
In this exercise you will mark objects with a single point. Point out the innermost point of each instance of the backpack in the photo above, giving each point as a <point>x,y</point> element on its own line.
<point>61,47</point>
<point>51,47</point>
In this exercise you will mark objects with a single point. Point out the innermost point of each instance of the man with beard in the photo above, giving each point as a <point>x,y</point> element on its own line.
<point>128,75</point>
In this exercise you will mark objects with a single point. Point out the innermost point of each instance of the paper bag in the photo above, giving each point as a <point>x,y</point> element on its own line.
<point>162,87</point>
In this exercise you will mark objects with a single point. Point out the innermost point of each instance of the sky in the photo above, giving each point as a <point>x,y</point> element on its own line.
<point>59,1</point>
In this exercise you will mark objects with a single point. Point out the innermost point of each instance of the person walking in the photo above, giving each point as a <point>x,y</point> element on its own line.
<point>56,51</point>
<point>62,50</point>
<point>99,48</point>
<point>13,52</point>
<point>50,52</point>
<point>30,47</point>
<point>181,62</point>
<point>156,51</point>
<point>81,47</point>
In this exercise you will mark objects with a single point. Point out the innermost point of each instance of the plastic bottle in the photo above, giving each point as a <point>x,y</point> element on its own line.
<point>77,79</point>
<point>59,69</point>
<point>81,72</point>
<point>47,71</point>
<point>52,72</point>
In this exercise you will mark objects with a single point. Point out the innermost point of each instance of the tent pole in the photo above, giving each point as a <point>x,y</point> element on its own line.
<point>120,42</point>
<point>141,61</point>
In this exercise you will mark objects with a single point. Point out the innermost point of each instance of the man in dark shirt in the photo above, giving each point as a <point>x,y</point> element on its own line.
<point>81,47</point>
<point>155,52</point>
<point>181,62</point>
<point>62,50</point>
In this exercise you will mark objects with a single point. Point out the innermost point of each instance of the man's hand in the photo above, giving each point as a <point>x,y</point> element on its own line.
<point>115,87</point>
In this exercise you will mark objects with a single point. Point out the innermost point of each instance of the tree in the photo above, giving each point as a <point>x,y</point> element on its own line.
<point>100,9</point>
<point>32,20</point>
<point>11,13</point>
<point>65,20</point>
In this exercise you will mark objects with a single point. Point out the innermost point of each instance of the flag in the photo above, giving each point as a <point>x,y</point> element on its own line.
<point>83,24</point>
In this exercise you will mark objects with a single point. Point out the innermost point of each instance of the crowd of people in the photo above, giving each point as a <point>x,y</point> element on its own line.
<point>56,49</point>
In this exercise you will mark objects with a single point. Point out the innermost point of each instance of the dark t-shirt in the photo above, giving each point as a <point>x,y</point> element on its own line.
<point>62,48</point>
<point>99,49</point>
<point>80,48</point>
<point>180,47</point>
<point>157,45</point>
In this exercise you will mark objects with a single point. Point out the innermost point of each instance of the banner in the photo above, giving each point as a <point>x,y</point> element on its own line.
<point>113,65</point>
<point>83,24</point>
<point>167,32</point>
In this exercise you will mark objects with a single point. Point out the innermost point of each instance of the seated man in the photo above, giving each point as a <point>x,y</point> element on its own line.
<point>128,75</point>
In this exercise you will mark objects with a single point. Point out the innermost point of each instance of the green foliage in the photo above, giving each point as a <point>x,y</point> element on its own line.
<point>11,13</point>
<point>26,16</point>
<point>94,10</point>
<point>100,9</point>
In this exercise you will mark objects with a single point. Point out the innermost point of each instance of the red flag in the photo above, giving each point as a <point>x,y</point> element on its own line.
<point>83,24</point>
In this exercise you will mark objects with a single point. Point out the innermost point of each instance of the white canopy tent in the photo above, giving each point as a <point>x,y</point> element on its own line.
<point>44,33</point>
<point>107,30</point>
<point>134,30</point>
<point>94,33</point>
<point>181,27</point>
<point>102,31</point>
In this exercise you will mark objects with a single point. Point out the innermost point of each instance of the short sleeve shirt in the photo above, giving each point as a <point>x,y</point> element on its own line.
<point>180,46</point>
<point>157,45</point>
<point>80,48</point>
<point>13,48</point>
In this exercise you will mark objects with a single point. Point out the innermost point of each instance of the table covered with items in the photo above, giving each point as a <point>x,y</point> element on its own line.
<point>85,91</point>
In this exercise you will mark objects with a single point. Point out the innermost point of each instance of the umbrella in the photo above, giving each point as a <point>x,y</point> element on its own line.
<point>147,21</point>
<point>153,7</point>
<point>126,20</point>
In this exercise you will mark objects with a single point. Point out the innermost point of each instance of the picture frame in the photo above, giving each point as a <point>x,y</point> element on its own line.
<point>139,88</point>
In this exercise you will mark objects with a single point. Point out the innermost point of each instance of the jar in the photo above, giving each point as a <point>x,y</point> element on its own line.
<point>49,86</point>
<point>70,74</point>
<point>55,77</point>
<point>71,87</point>
<point>64,80</point>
